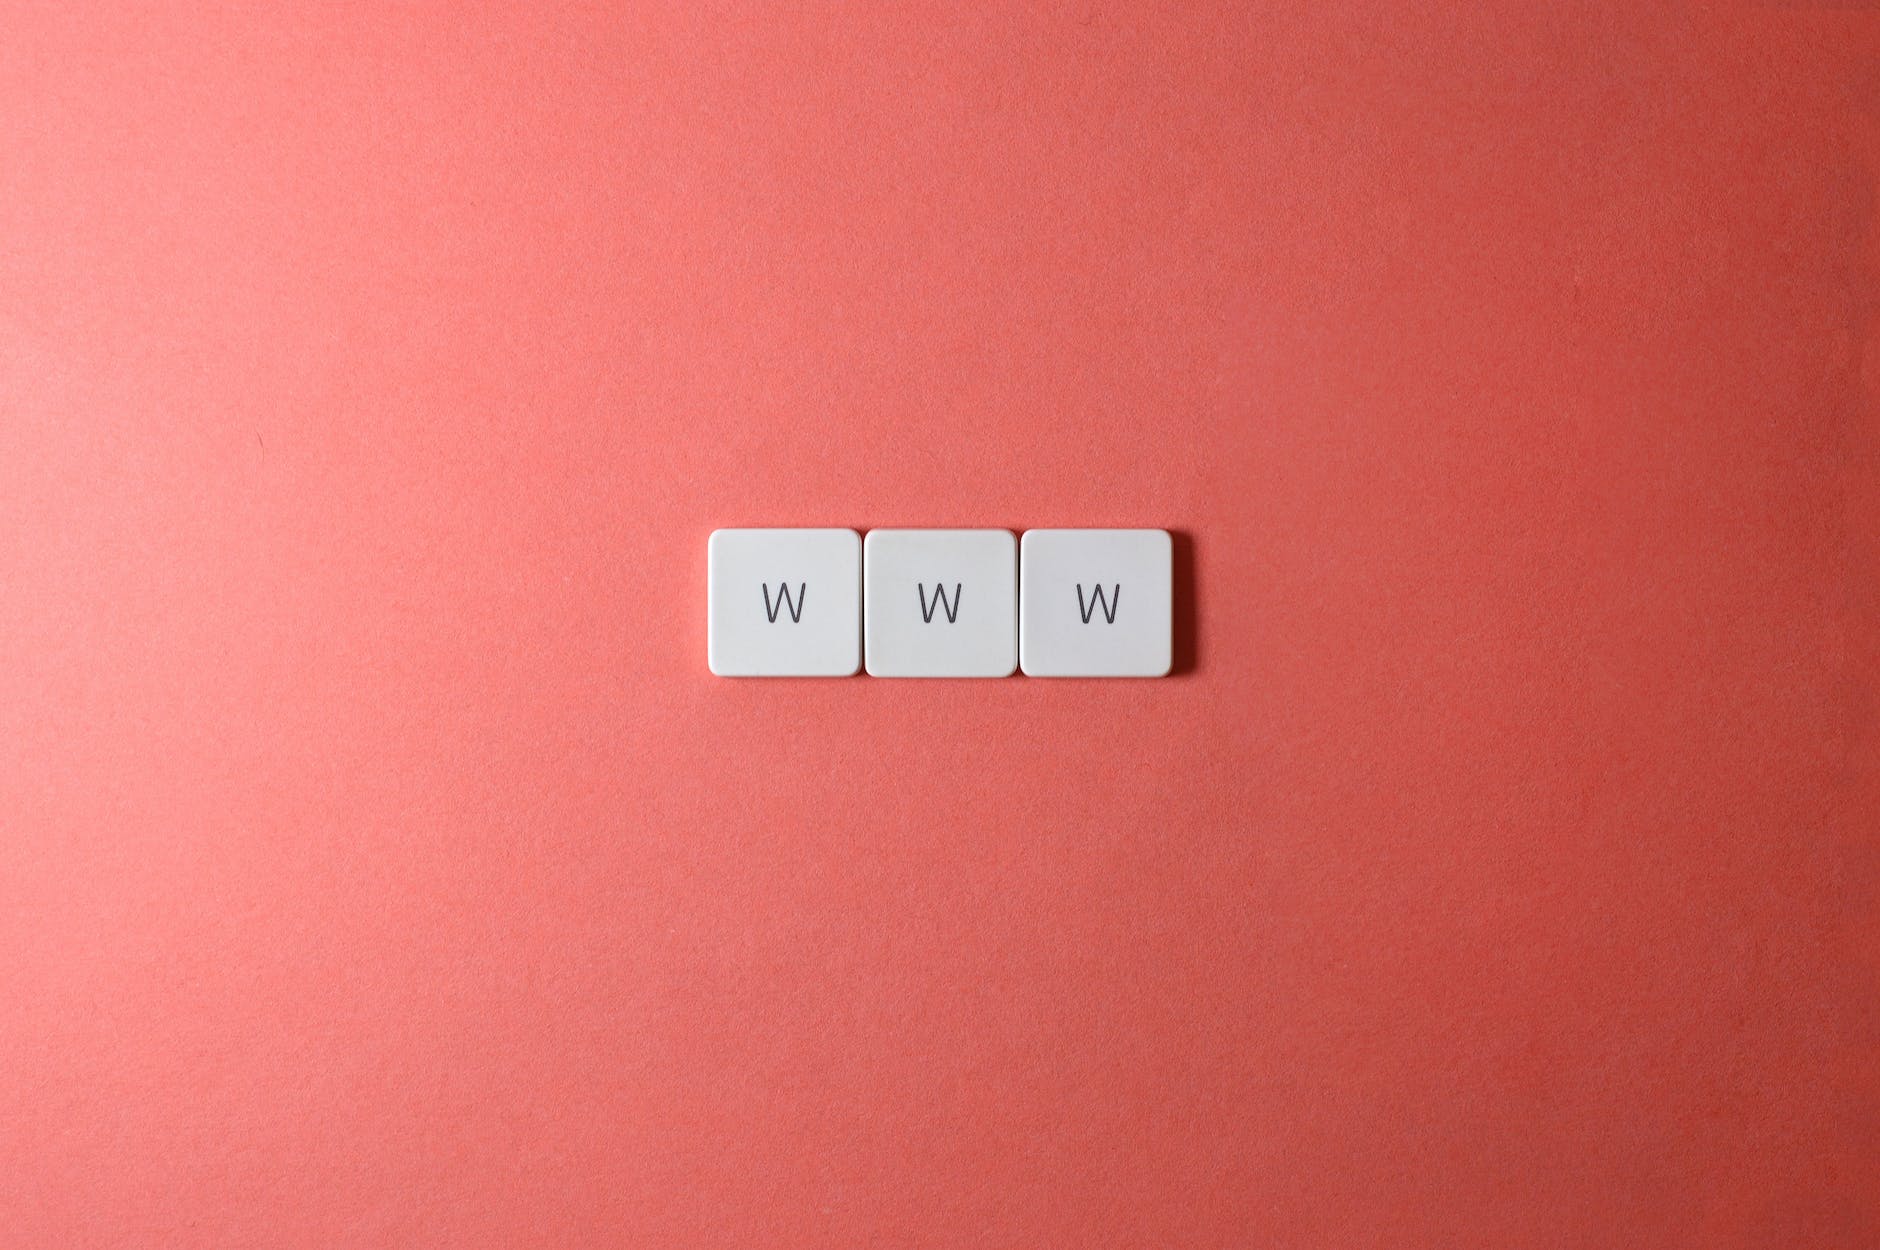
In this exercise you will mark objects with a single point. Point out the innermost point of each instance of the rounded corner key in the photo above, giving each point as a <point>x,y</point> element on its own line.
<point>1096,603</point>
<point>784,602</point>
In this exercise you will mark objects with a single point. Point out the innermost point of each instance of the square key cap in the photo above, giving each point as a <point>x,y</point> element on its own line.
<point>785,603</point>
<point>1095,603</point>
<point>940,603</point>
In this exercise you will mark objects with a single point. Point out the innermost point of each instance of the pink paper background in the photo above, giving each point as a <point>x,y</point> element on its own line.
<point>379,865</point>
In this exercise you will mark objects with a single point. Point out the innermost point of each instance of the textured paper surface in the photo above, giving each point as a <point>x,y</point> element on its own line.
<point>383,868</point>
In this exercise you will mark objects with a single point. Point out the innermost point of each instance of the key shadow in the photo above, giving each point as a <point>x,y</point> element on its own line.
<point>1185,621</point>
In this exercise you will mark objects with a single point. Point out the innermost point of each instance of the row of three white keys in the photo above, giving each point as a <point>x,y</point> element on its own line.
<point>940,603</point>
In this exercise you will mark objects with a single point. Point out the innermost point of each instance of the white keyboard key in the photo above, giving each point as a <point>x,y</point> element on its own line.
<point>940,603</point>
<point>1095,603</point>
<point>785,603</point>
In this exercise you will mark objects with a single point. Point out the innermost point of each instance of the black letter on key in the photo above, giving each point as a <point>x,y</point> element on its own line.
<point>783,597</point>
<point>939,601</point>
<point>1096,597</point>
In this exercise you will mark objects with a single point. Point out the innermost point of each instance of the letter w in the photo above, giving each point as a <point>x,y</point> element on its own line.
<point>1096,597</point>
<point>783,597</point>
<point>939,601</point>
